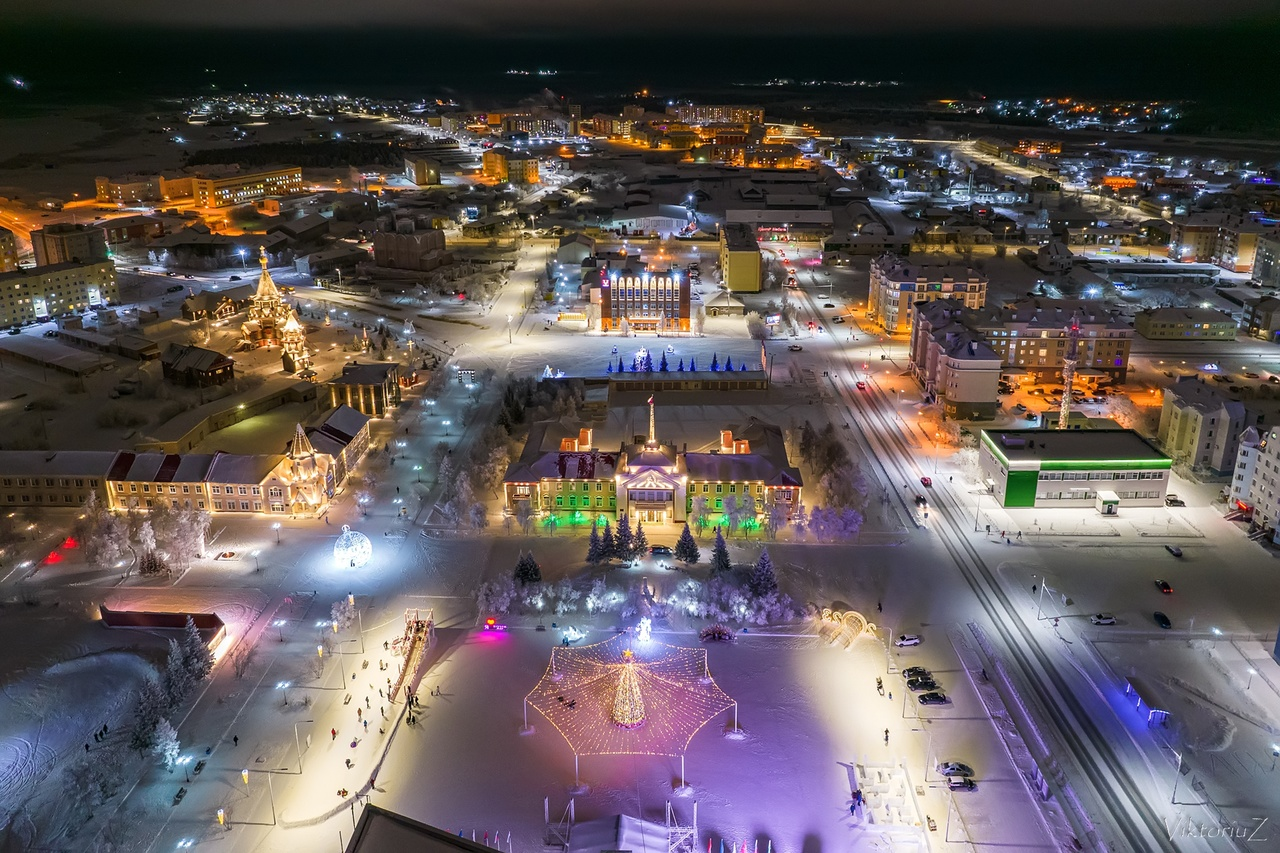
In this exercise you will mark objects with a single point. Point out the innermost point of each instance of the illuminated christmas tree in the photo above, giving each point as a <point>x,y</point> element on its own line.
<point>628,704</point>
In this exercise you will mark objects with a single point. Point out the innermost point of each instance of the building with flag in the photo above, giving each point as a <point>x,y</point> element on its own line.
<point>564,472</point>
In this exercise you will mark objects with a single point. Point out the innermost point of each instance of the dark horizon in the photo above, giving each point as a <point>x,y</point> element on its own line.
<point>1182,63</point>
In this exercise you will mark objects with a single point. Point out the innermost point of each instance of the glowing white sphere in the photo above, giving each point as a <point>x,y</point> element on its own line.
<point>352,550</point>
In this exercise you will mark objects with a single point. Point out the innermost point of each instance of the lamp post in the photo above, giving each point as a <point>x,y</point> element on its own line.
<point>510,317</point>
<point>256,566</point>
<point>283,687</point>
<point>184,761</point>
<point>417,472</point>
<point>936,437</point>
<point>1252,672</point>
<point>446,423</point>
<point>243,265</point>
<point>276,528</point>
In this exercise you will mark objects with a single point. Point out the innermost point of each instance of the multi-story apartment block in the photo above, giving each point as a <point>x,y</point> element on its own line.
<point>129,189</point>
<point>423,171</point>
<point>1266,261</point>
<point>235,188</point>
<point>8,251</point>
<point>1034,334</point>
<point>503,164</point>
<point>953,363</point>
<point>38,293</point>
<point>1201,427</point>
<point>740,262</point>
<point>1182,324</point>
<point>1229,240</point>
<point>1255,483</point>
<point>66,243</point>
<point>897,285</point>
<point>717,114</point>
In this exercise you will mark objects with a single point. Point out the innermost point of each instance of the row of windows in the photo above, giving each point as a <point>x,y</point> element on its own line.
<point>586,501</point>
<point>49,482</point>
<point>186,489</point>
<point>1102,475</point>
<point>1088,495</point>
<point>53,499</point>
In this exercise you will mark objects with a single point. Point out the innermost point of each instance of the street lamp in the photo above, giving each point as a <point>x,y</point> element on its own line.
<point>256,566</point>
<point>446,426</point>
<point>1252,672</point>
<point>297,744</point>
<point>283,687</point>
<point>184,761</point>
<point>510,317</point>
<point>276,528</point>
<point>243,265</point>
<point>417,470</point>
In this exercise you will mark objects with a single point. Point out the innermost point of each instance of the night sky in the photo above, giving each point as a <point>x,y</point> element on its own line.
<point>671,17</point>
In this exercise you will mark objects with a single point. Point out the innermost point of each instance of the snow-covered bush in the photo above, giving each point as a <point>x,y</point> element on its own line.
<point>496,596</point>
<point>717,633</point>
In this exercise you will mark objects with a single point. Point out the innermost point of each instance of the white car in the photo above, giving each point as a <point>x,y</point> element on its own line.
<point>955,768</point>
<point>1102,619</point>
<point>907,640</point>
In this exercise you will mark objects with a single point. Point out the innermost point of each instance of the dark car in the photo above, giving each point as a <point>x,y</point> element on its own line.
<point>795,348</point>
<point>1174,550</point>
<point>174,289</point>
<point>933,698</point>
<point>1163,586</point>
<point>828,305</point>
<point>171,274</point>
<point>921,500</point>
<point>916,685</point>
<point>916,672</point>
<point>660,551</point>
<point>235,278</point>
<point>1162,620</point>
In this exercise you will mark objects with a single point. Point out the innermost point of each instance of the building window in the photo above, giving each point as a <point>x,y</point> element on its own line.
<point>217,490</point>
<point>217,504</point>
<point>243,490</point>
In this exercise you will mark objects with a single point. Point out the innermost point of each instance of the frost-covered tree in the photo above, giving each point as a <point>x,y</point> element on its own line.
<point>748,508</point>
<point>701,513</point>
<point>623,538</point>
<point>593,545</point>
<point>686,548</point>
<point>176,680</point>
<point>524,516</point>
<point>732,515</point>
<point>196,652</point>
<point>850,523</point>
<point>720,563</point>
<point>776,513</point>
<point>478,516</point>
<point>146,537</point>
<point>763,580</point>
<point>640,544</point>
<point>608,543</point>
<point>342,613</point>
<point>800,521</point>
<point>150,707</point>
<point>527,569</point>
<point>166,743</point>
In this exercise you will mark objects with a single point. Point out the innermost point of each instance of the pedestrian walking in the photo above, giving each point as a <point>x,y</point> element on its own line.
<point>879,609</point>
<point>366,725</point>
<point>104,729</point>
<point>380,694</point>
<point>886,735</point>
<point>235,740</point>
<point>1019,535</point>
<point>366,702</point>
<point>86,747</point>
<point>397,490</point>
<point>382,709</point>
<point>333,733</point>
<point>1008,541</point>
<point>1034,587</point>
<point>359,713</point>
<point>385,645</point>
<point>890,695</point>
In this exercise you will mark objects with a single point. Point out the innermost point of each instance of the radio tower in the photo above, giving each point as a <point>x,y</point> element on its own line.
<point>1069,371</point>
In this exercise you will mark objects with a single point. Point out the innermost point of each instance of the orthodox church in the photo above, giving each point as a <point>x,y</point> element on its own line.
<point>273,323</point>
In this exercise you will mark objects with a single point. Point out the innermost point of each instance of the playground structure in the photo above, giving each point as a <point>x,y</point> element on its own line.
<point>418,638</point>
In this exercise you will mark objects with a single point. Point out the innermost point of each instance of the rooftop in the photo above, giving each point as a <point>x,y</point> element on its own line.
<point>1029,448</point>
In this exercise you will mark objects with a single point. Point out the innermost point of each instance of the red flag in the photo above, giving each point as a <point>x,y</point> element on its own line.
<point>650,400</point>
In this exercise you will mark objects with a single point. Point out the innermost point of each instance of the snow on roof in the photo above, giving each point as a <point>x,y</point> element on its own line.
<point>74,463</point>
<point>237,468</point>
<point>344,422</point>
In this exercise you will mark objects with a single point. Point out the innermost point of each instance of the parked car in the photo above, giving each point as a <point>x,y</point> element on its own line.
<point>1102,619</point>
<point>1162,620</point>
<point>1174,550</point>
<point>171,274</point>
<point>935,697</point>
<point>173,289</point>
<point>1174,500</point>
<point>828,305</point>
<point>837,319</point>
<point>955,768</point>
<point>660,551</point>
<point>235,278</point>
<point>1163,586</point>
<point>927,482</point>
<point>918,685</point>
<point>961,783</point>
<point>907,640</point>
<point>916,672</point>
<point>795,348</point>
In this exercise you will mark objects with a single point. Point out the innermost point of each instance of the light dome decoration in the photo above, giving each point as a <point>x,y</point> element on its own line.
<point>352,550</point>
<point>628,704</point>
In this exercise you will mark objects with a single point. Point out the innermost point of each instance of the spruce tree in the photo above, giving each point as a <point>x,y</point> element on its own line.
<point>527,569</point>
<point>715,362</point>
<point>199,660</point>
<point>149,709</point>
<point>681,367</point>
<point>728,363</point>
<point>693,364</point>
<point>686,547</point>
<point>623,538</point>
<point>176,680</point>
<point>640,546</point>
<point>593,545</point>
<point>763,580</point>
<point>720,563</point>
<point>608,544</point>
<point>663,367</point>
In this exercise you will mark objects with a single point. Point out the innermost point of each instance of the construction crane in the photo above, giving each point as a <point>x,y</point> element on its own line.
<point>1069,371</point>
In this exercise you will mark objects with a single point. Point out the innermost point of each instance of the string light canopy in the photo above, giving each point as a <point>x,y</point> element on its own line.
<point>628,697</point>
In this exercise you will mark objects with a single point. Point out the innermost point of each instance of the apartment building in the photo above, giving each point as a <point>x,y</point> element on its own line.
<point>740,261</point>
<point>1182,324</point>
<point>898,284</point>
<point>38,293</point>
<point>1229,240</point>
<point>229,189</point>
<point>67,243</point>
<point>1034,335</point>
<point>953,363</point>
<point>1201,426</point>
<point>8,251</point>
<point>700,114</point>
